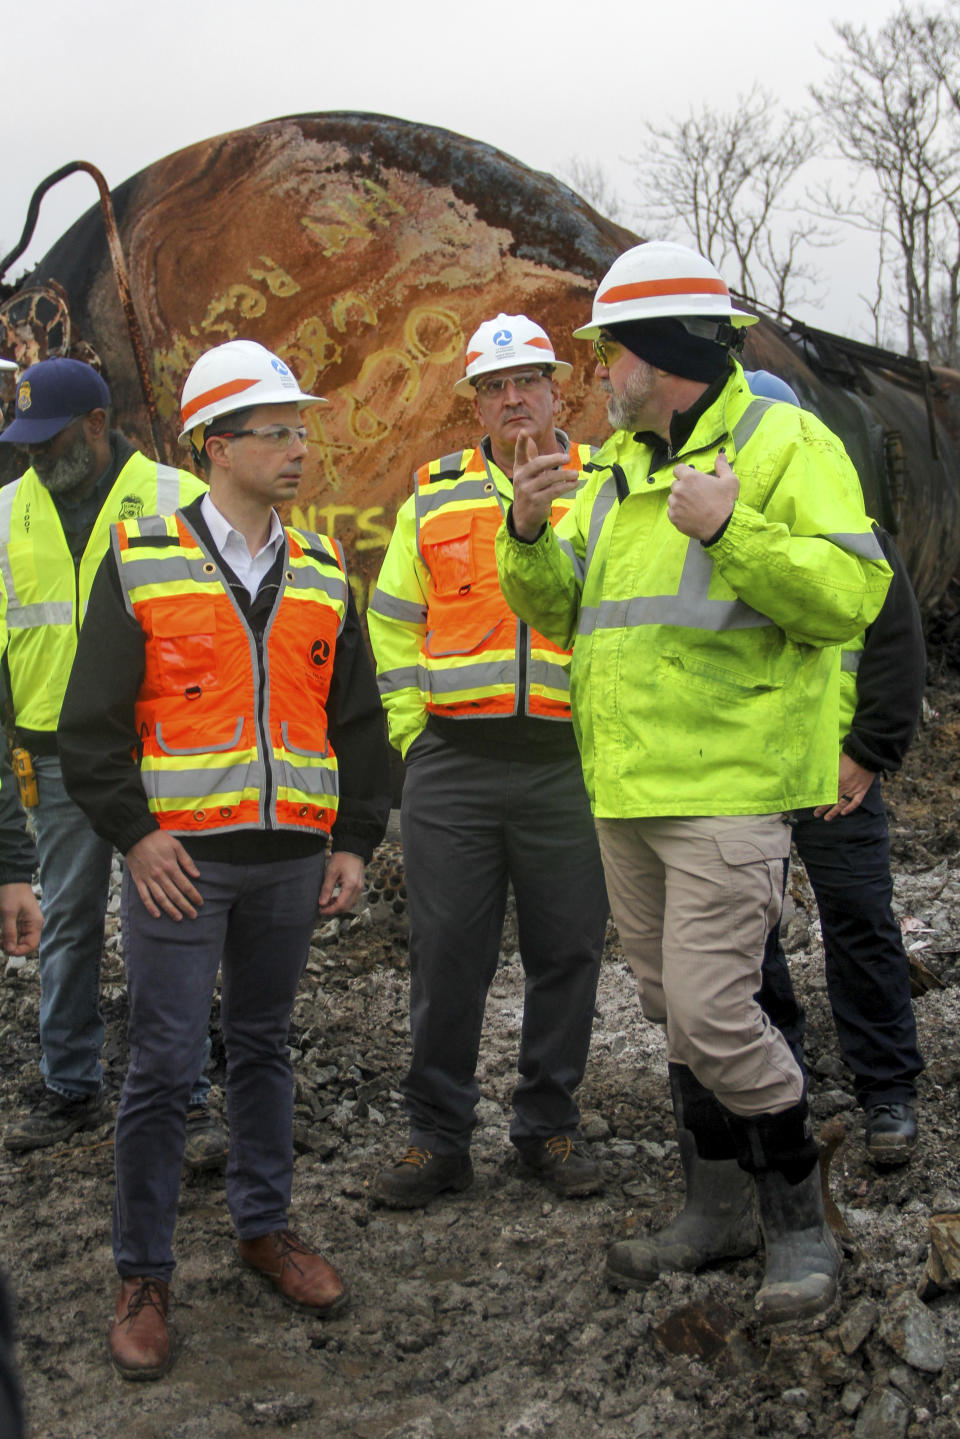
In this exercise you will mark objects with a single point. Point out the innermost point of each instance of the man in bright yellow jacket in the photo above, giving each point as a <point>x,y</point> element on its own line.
<point>706,574</point>
<point>479,707</point>
<point>54,531</point>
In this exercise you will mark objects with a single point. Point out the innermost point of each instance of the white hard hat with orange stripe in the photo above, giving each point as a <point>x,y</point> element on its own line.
<point>234,377</point>
<point>506,341</point>
<point>660,280</point>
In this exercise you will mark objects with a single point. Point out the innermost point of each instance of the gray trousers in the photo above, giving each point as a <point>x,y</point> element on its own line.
<point>470,824</point>
<point>257,921</point>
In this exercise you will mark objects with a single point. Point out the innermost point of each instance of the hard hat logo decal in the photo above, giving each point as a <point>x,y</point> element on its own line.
<point>280,367</point>
<point>503,337</point>
<point>23,399</point>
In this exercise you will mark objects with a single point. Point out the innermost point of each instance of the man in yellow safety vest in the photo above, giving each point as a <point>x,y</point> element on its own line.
<point>54,531</point>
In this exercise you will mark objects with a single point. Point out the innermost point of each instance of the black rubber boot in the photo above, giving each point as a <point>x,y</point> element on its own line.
<point>803,1261</point>
<point>718,1220</point>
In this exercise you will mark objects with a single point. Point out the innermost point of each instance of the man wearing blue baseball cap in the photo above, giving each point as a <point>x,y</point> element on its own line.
<point>54,530</point>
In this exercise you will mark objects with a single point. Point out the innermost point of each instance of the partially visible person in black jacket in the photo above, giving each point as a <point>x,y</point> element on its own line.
<point>846,850</point>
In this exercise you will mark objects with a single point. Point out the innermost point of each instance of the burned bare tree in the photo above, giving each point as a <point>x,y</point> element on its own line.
<point>727,179</point>
<point>892,108</point>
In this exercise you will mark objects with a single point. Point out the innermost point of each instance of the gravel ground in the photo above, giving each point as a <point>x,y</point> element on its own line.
<point>486,1314</point>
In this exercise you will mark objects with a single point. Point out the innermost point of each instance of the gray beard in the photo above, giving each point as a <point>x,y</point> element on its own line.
<point>70,471</point>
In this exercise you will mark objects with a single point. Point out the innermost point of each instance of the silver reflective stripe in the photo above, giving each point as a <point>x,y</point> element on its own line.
<point>466,677</point>
<point>153,570</point>
<point>391,681</point>
<point>203,788</point>
<point>457,490</point>
<point>749,421</point>
<point>394,608</point>
<point>552,675</point>
<point>602,505</point>
<point>32,617</point>
<point>850,660</point>
<point>168,489</point>
<point>690,608</point>
<point>311,577</point>
<point>866,545</point>
<point>578,565</point>
<point>151,526</point>
<point>314,781</point>
<point>7,495</point>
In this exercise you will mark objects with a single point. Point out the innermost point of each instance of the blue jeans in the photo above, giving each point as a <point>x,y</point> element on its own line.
<point>75,883</point>
<point>257,921</point>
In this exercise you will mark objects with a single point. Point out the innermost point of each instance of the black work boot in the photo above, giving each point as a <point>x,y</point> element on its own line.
<point>803,1261</point>
<point>421,1175</point>
<point>891,1133</point>
<point>718,1220</point>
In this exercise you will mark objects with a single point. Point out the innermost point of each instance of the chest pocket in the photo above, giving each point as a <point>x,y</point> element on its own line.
<point>447,546</point>
<point>185,648</point>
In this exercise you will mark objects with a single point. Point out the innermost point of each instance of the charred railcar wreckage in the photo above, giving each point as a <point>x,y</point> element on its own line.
<point>365,249</point>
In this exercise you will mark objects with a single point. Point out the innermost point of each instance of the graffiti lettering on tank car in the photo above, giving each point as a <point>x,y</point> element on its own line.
<point>334,224</point>
<point>248,303</point>
<point>370,533</point>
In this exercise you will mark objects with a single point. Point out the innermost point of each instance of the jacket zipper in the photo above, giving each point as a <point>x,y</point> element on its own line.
<point>262,733</point>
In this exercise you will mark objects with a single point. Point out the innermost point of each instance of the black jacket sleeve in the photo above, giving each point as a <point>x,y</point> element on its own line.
<point>97,734</point>
<point>357,729</point>
<point>891,674</point>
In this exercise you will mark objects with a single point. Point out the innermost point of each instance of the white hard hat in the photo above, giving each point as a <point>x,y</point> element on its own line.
<point>504,342</point>
<point>8,365</point>
<point>660,280</point>
<point>233,377</point>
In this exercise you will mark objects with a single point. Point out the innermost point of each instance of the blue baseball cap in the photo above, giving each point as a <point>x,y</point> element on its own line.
<point>50,396</point>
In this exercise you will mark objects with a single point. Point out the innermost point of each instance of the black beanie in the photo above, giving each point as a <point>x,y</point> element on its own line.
<point>668,345</point>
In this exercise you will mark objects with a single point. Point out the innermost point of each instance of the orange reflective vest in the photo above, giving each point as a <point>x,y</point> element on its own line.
<point>473,656</point>
<point>233,730</point>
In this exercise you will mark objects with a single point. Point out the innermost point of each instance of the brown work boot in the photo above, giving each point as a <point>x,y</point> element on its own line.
<point>139,1341</point>
<point>301,1274</point>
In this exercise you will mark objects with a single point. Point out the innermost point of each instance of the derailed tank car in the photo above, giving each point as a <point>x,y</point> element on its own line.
<point>365,250</point>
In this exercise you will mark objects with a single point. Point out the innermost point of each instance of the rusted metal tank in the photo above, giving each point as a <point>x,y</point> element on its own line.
<point>365,250</point>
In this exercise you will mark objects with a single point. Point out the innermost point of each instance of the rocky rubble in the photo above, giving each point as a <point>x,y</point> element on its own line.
<point>486,1313</point>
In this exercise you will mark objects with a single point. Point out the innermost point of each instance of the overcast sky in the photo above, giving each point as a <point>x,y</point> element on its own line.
<point>122,87</point>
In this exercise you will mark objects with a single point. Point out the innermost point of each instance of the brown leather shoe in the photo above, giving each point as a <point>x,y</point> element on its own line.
<point>301,1275</point>
<point>139,1341</point>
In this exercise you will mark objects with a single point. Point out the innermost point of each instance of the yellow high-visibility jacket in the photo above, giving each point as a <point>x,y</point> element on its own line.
<point>45,594</point>
<point>705,679</point>
<point>444,638</point>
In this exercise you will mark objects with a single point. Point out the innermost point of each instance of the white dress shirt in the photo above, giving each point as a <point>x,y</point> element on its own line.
<point>249,569</point>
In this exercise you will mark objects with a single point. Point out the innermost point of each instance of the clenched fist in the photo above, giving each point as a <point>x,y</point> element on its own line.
<point>699,504</point>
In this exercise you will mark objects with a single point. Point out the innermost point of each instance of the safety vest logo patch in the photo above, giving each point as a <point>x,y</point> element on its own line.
<point>24,398</point>
<point>319,652</point>
<point>131,508</point>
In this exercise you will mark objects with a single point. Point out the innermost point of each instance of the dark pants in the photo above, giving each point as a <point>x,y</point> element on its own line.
<point>471,824</point>
<point>868,975</point>
<point>257,921</point>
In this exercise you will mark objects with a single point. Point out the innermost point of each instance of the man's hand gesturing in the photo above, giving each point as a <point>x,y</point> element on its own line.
<point>537,481</point>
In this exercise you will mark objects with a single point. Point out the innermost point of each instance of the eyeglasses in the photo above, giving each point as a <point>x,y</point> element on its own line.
<point>602,346</point>
<point>495,387</point>
<point>278,437</point>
